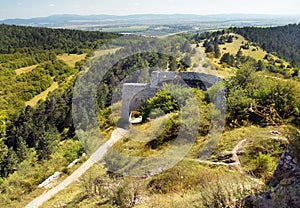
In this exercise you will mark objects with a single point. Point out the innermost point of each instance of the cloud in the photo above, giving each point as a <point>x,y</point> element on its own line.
<point>52,5</point>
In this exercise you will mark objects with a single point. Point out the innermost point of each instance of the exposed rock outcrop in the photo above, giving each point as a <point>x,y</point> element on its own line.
<point>285,183</point>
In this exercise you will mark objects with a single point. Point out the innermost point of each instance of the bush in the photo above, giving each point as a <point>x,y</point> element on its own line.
<point>162,100</point>
<point>170,132</point>
<point>263,165</point>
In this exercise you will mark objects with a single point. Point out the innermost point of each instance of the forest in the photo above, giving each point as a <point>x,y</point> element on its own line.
<point>283,41</point>
<point>25,39</point>
<point>30,135</point>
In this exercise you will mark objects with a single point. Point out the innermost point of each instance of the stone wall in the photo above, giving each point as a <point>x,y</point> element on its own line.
<point>285,183</point>
<point>286,164</point>
<point>140,97</point>
<point>206,80</point>
<point>128,92</point>
<point>133,94</point>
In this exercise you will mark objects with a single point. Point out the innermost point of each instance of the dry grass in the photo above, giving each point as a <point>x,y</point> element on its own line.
<point>105,52</point>
<point>254,51</point>
<point>72,195</point>
<point>71,59</point>
<point>25,69</point>
<point>43,95</point>
<point>211,65</point>
<point>223,70</point>
<point>188,184</point>
<point>139,136</point>
<point>224,187</point>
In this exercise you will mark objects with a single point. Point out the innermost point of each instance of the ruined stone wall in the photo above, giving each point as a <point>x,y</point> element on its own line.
<point>285,183</point>
<point>133,94</point>
<point>140,97</point>
<point>287,163</point>
<point>207,80</point>
<point>128,92</point>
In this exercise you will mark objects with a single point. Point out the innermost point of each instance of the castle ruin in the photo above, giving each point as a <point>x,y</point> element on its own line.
<point>133,94</point>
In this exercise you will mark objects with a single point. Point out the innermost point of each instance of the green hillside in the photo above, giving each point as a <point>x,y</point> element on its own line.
<point>36,89</point>
<point>283,41</point>
<point>40,137</point>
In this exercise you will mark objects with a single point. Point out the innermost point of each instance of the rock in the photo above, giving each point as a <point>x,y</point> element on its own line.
<point>230,160</point>
<point>275,132</point>
<point>73,163</point>
<point>287,181</point>
<point>249,202</point>
<point>225,155</point>
<point>295,161</point>
<point>241,152</point>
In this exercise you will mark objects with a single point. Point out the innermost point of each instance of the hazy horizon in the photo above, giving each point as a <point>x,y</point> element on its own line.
<point>26,9</point>
<point>216,14</point>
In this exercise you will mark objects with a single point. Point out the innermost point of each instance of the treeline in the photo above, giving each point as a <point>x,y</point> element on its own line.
<point>47,122</point>
<point>284,40</point>
<point>23,39</point>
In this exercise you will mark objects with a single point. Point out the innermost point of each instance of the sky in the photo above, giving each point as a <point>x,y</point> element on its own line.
<point>42,8</point>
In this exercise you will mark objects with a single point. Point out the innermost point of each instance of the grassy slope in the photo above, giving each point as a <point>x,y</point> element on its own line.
<point>43,95</point>
<point>234,47</point>
<point>223,70</point>
<point>68,59</point>
<point>71,59</point>
<point>37,192</point>
<point>105,52</point>
<point>25,69</point>
<point>189,183</point>
<point>199,60</point>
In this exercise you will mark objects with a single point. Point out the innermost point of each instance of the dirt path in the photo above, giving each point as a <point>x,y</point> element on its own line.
<point>200,68</point>
<point>116,135</point>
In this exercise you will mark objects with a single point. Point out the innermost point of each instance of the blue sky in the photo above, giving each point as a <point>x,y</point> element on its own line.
<point>38,8</point>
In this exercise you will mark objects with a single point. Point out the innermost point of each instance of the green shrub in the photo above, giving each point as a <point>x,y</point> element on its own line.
<point>263,165</point>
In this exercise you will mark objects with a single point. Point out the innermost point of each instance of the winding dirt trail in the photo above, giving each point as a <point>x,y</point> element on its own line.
<point>115,136</point>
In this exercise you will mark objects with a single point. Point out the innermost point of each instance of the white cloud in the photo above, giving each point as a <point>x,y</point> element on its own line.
<point>52,5</point>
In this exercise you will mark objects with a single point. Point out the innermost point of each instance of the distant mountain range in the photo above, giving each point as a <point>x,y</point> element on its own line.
<point>102,21</point>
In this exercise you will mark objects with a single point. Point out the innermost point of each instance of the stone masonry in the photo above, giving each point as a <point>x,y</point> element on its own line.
<point>133,94</point>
